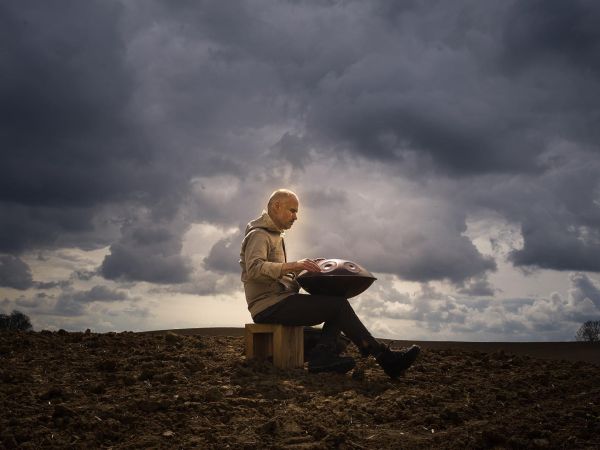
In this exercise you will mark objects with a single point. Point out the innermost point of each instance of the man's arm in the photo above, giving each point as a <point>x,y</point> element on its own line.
<point>257,265</point>
<point>299,266</point>
<point>256,253</point>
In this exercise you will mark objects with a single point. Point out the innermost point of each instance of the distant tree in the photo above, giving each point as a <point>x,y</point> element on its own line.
<point>16,321</point>
<point>589,331</point>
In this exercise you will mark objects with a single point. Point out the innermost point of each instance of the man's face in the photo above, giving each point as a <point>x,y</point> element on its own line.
<point>284,212</point>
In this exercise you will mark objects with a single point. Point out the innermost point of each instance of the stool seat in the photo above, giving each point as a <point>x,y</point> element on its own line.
<point>285,344</point>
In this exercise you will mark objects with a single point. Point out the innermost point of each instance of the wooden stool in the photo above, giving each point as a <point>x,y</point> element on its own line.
<point>284,344</point>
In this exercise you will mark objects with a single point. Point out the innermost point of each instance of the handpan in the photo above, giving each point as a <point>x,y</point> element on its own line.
<point>337,277</point>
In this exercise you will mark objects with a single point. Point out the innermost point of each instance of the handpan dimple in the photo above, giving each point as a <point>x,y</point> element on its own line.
<point>351,267</point>
<point>338,277</point>
<point>328,266</point>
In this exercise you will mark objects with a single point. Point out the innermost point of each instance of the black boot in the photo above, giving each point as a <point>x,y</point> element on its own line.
<point>323,358</point>
<point>394,363</point>
<point>313,336</point>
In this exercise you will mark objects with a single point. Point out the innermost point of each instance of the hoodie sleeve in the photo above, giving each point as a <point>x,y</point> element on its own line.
<point>256,254</point>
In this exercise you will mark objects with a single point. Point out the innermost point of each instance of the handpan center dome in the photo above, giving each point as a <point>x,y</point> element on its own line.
<point>338,277</point>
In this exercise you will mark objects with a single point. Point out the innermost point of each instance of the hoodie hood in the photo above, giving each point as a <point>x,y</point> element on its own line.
<point>264,222</point>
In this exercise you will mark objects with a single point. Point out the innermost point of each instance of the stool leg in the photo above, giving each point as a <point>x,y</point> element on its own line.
<point>249,341</point>
<point>262,345</point>
<point>288,347</point>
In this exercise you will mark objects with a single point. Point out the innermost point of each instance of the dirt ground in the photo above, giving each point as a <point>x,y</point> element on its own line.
<point>165,390</point>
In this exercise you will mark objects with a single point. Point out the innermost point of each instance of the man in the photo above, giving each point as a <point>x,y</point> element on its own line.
<point>272,294</point>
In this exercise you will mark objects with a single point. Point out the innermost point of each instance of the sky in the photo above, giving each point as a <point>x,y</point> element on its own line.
<point>451,148</point>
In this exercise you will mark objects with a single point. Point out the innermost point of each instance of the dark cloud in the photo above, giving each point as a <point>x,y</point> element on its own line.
<point>83,275</point>
<point>294,149</point>
<point>100,294</point>
<point>24,227</point>
<point>544,31</point>
<point>557,213</point>
<point>65,93</point>
<point>479,117</point>
<point>70,139</point>
<point>15,273</point>
<point>424,260</point>
<point>74,303</point>
<point>552,246</point>
<point>137,264</point>
<point>39,300</point>
<point>583,288</point>
<point>551,50</point>
<point>394,133</point>
<point>478,287</point>
<point>147,251</point>
<point>224,255</point>
<point>52,284</point>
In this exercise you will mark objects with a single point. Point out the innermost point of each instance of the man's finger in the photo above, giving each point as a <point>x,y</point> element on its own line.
<point>312,266</point>
<point>307,264</point>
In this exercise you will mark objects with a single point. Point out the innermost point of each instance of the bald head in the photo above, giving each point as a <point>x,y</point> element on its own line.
<point>280,195</point>
<point>282,208</point>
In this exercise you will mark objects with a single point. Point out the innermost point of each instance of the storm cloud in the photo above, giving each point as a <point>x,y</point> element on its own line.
<point>124,124</point>
<point>147,251</point>
<point>14,273</point>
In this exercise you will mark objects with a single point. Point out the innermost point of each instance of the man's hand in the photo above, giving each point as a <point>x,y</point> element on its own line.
<point>299,266</point>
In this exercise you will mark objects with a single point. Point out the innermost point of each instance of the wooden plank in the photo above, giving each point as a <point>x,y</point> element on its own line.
<point>261,327</point>
<point>249,341</point>
<point>288,347</point>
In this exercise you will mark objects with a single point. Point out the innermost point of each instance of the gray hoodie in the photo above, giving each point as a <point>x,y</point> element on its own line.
<point>261,258</point>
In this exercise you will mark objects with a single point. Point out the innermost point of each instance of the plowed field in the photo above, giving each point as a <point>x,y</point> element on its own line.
<point>134,390</point>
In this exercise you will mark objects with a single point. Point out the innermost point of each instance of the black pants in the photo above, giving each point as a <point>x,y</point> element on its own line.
<point>308,310</point>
